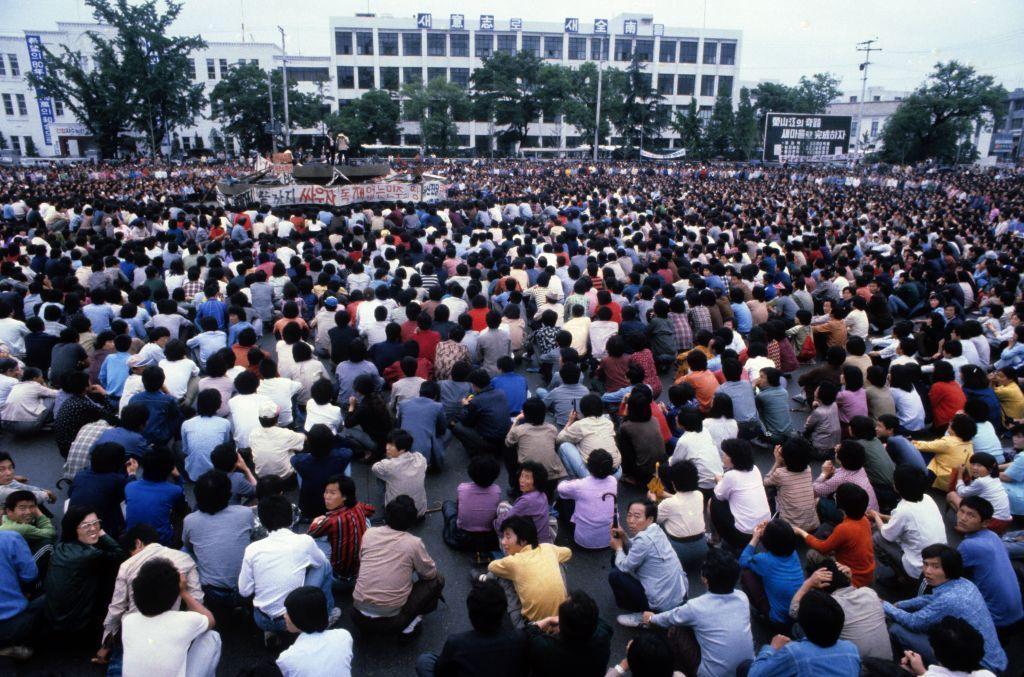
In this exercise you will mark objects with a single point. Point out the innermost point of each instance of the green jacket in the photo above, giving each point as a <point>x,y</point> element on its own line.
<point>37,534</point>
<point>79,583</point>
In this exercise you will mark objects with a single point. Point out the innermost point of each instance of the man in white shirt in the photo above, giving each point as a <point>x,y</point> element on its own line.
<point>273,446</point>
<point>12,331</point>
<point>317,650</point>
<point>245,406</point>
<point>278,389</point>
<point>915,524</point>
<point>281,562</point>
<point>696,444</point>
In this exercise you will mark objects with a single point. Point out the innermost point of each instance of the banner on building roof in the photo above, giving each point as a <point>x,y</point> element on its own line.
<point>337,196</point>
<point>38,66</point>
<point>799,137</point>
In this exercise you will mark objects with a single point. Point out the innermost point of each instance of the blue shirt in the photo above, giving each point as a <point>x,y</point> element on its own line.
<point>514,387</point>
<point>314,473</point>
<point>988,565</point>
<point>807,659</point>
<point>164,416</point>
<point>151,503</point>
<point>16,567</point>
<point>904,452</point>
<point>100,316</point>
<point>652,560</point>
<point>215,309</point>
<point>208,343</point>
<point>782,577</point>
<point>744,320</point>
<point>958,598</point>
<point>114,372</point>
<point>135,444</point>
<point>236,329</point>
<point>199,436</point>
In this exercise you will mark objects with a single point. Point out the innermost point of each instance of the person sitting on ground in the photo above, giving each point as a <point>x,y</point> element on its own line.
<point>771,577</point>
<point>850,542</point>
<point>322,457</point>
<point>274,446</point>
<point>576,641</point>
<point>165,416</point>
<point>949,452</point>
<point>950,595</point>
<point>20,618</point>
<point>22,515</point>
<point>343,525</point>
<point>583,434</point>
<point>821,652</point>
<point>468,521</point>
<point>790,478</point>
<point>823,427</point>
<point>160,639</point>
<point>229,461</point>
<point>648,655</point>
<point>958,648</point>
<point>202,433</point>
<point>156,499</point>
<point>647,575</point>
<point>981,478</point>
<point>532,438</point>
<point>710,634</point>
<point>986,562</point>
<point>593,511</point>
<point>739,503</point>
<point>318,650</point>
<point>386,599</point>
<point>850,462</point>
<point>484,422</point>
<point>403,471</point>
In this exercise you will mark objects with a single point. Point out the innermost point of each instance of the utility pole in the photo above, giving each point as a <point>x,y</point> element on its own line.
<point>597,110</point>
<point>284,79</point>
<point>867,48</point>
<point>273,125</point>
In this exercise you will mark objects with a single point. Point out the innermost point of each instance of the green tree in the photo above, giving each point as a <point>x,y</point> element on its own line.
<point>640,116</point>
<point>721,127</point>
<point>582,99</point>
<point>811,95</point>
<point>691,133</point>
<point>936,120</point>
<point>216,141</point>
<point>554,85</point>
<point>510,85</point>
<point>744,135</point>
<point>437,105</point>
<point>30,147</point>
<point>372,118</point>
<point>240,101</point>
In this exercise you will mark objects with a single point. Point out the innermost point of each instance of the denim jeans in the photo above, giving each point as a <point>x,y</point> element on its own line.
<point>572,459</point>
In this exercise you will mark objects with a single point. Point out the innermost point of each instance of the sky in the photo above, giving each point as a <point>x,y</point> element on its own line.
<point>782,39</point>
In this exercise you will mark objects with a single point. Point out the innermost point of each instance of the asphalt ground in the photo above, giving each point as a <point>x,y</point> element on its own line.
<point>243,644</point>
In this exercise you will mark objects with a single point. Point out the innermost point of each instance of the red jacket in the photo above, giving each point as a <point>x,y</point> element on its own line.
<point>947,400</point>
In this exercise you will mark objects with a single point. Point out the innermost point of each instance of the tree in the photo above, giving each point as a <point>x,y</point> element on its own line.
<point>582,99</point>
<point>640,116</point>
<point>744,135</point>
<point>372,118</point>
<point>935,121</point>
<point>508,85</point>
<point>721,127</point>
<point>216,141</point>
<point>30,147</point>
<point>241,102</point>
<point>437,105</point>
<point>811,95</point>
<point>554,85</point>
<point>688,126</point>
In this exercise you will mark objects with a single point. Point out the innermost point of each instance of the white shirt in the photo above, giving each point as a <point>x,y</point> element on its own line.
<point>318,653</point>
<point>699,448</point>
<point>274,566</point>
<point>12,334</point>
<point>157,646</point>
<point>245,416</point>
<point>857,323</point>
<point>744,490</point>
<point>992,490</point>
<point>177,375</point>
<point>281,391</point>
<point>754,365</point>
<point>915,526</point>
<point>272,450</point>
<point>327,414</point>
<point>6,383</point>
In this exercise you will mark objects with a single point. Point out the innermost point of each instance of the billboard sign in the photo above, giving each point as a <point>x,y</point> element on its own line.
<point>800,137</point>
<point>38,66</point>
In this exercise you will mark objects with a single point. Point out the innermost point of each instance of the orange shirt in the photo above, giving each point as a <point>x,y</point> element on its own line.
<point>851,545</point>
<point>704,384</point>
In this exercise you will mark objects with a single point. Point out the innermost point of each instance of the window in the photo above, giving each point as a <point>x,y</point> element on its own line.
<point>667,51</point>
<point>223,63</point>
<point>437,74</point>
<point>599,49</point>
<point>705,114</point>
<point>507,43</point>
<point>725,85</point>
<point>853,99</point>
<point>645,81</point>
<point>412,75</point>
<point>306,74</point>
<point>460,44</point>
<point>874,127</point>
<point>623,49</point>
<point>8,104</point>
<point>191,68</point>
<point>436,44</point>
<point>22,108</point>
<point>346,77</point>
<point>853,129</point>
<point>644,50</point>
<point>15,68</point>
<point>577,49</point>
<point>707,85</point>
<point>412,44</point>
<point>3,67</point>
<point>484,45</point>
<point>364,43</point>
<point>343,43</point>
<point>460,76</point>
<point>365,77</point>
<point>531,44</point>
<point>463,140</point>
<point>876,98</point>
<point>710,52</point>
<point>688,51</point>
<point>389,78</point>
<point>666,82</point>
<point>552,46</point>
<point>728,55</point>
<point>388,44</point>
<point>58,108</point>
<point>684,85</point>
<point>412,139</point>
<point>211,70</point>
<point>186,143</point>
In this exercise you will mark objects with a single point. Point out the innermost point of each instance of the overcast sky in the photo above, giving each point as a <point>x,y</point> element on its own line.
<point>782,39</point>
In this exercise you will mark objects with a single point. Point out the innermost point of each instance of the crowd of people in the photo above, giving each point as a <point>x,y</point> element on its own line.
<point>804,383</point>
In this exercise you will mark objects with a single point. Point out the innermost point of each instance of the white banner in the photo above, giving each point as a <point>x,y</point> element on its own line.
<point>666,156</point>
<point>337,196</point>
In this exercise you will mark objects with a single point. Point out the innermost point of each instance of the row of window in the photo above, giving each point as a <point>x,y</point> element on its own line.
<point>347,43</point>
<point>212,65</point>
<point>17,102</point>
<point>12,67</point>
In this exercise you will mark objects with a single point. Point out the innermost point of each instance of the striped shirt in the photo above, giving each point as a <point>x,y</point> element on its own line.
<point>344,529</point>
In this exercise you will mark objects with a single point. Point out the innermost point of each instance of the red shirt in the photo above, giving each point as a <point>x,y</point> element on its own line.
<point>851,544</point>
<point>424,369</point>
<point>947,400</point>
<point>428,341</point>
<point>616,311</point>
<point>614,371</point>
<point>409,330</point>
<point>479,316</point>
<point>704,385</point>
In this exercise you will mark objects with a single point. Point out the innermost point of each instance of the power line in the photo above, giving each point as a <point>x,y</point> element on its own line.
<point>867,48</point>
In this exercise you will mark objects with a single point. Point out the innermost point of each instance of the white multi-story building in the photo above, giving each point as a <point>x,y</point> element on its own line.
<point>384,52</point>
<point>878,106</point>
<point>21,117</point>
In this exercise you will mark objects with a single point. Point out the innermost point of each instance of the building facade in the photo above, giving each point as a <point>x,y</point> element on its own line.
<point>382,52</point>
<point>1008,141</point>
<point>878,106</point>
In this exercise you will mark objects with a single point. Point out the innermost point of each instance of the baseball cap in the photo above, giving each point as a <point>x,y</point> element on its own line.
<point>140,361</point>
<point>268,410</point>
<point>330,302</point>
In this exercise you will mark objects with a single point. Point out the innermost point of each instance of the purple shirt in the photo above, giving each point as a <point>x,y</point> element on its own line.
<point>593,514</point>
<point>851,404</point>
<point>477,506</point>
<point>535,506</point>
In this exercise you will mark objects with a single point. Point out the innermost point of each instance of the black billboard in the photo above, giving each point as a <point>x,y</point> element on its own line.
<point>799,137</point>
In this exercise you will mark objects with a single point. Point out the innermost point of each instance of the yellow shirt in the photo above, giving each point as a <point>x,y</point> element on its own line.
<point>1012,400</point>
<point>537,576</point>
<point>950,453</point>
